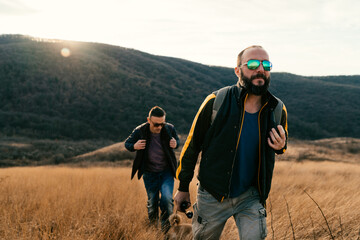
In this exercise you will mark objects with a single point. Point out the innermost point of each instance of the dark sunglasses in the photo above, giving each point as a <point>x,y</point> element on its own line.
<point>254,64</point>
<point>158,124</point>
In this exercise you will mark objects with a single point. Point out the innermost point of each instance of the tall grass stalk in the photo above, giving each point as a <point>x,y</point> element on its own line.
<point>326,221</point>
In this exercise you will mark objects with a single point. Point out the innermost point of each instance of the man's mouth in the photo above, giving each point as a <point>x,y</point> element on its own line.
<point>258,76</point>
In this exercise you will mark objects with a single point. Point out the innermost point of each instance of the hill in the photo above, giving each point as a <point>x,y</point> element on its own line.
<point>345,150</point>
<point>102,92</point>
<point>20,151</point>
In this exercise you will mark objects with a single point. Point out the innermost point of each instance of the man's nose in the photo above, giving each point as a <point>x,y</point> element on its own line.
<point>260,68</point>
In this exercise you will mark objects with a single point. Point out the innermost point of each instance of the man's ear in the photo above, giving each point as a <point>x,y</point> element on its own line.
<point>237,71</point>
<point>148,119</point>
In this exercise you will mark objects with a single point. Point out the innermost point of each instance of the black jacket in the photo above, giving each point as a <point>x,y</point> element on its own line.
<point>219,141</point>
<point>143,132</point>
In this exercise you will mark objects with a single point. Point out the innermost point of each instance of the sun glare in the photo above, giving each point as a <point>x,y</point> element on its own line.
<point>65,52</point>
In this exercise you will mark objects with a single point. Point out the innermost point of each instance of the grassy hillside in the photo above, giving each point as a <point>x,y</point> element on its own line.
<point>36,152</point>
<point>103,91</point>
<point>320,107</point>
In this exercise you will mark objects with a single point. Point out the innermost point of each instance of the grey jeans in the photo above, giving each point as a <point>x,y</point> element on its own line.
<point>210,215</point>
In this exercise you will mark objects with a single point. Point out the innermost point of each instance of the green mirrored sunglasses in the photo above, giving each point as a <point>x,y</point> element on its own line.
<point>254,64</point>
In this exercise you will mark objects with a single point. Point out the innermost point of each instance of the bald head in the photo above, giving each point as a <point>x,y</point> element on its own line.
<point>240,56</point>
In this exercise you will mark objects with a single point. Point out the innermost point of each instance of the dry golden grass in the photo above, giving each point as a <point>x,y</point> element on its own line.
<point>333,186</point>
<point>102,203</point>
<point>72,203</point>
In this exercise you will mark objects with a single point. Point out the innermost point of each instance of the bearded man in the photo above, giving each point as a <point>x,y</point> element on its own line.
<point>238,147</point>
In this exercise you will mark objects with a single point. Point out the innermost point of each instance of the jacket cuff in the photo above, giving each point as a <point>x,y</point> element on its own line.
<point>131,148</point>
<point>281,151</point>
<point>184,186</point>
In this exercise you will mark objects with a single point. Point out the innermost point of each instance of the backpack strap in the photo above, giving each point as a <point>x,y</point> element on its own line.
<point>219,99</point>
<point>278,111</point>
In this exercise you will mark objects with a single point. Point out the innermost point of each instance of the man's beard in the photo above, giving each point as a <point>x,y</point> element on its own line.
<point>253,89</point>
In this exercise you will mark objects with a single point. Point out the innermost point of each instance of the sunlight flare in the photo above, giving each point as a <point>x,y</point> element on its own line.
<point>65,52</point>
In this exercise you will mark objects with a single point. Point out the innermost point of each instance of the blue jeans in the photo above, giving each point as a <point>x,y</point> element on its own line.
<point>156,184</point>
<point>210,215</point>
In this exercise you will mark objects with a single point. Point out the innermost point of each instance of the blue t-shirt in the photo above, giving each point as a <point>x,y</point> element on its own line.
<point>247,156</point>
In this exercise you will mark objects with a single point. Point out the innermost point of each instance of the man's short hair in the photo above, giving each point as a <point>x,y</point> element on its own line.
<point>239,59</point>
<point>157,112</point>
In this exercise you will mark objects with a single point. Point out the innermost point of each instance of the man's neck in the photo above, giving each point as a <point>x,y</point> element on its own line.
<point>253,103</point>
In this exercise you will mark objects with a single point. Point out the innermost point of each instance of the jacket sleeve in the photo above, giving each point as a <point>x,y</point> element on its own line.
<point>174,135</point>
<point>132,139</point>
<point>285,126</point>
<point>193,143</point>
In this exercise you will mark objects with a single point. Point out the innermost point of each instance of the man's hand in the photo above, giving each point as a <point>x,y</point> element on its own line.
<point>181,197</point>
<point>275,140</point>
<point>140,144</point>
<point>173,143</point>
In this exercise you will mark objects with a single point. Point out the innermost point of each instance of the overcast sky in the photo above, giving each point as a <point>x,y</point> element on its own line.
<point>304,37</point>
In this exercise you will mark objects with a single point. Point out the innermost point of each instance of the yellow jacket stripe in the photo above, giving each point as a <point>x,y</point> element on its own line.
<point>188,140</point>
<point>286,125</point>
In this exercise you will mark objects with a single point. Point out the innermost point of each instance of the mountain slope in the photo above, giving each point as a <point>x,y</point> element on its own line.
<point>103,91</point>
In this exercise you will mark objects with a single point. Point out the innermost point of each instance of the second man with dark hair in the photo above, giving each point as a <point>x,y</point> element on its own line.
<point>155,161</point>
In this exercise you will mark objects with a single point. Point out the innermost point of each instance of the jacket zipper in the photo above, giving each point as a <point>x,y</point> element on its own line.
<point>259,187</point>
<point>237,145</point>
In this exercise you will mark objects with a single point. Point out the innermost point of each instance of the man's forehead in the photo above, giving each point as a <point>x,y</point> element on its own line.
<point>157,119</point>
<point>255,53</point>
